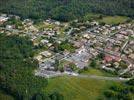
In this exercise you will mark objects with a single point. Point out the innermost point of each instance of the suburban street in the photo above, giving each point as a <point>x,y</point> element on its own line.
<point>87,76</point>
<point>103,78</point>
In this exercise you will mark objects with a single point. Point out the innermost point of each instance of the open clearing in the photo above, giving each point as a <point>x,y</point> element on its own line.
<point>99,72</point>
<point>114,19</point>
<point>74,88</point>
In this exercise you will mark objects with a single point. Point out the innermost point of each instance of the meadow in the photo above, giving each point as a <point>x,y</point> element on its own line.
<point>74,88</point>
<point>114,19</point>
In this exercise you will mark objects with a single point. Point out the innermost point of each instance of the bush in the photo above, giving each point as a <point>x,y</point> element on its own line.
<point>131,82</point>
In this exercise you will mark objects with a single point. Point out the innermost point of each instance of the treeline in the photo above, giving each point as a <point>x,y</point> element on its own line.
<point>121,91</point>
<point>17,70</point>
<point>65,10</point>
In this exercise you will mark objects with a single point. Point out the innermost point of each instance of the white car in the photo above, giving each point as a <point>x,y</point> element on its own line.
<point>74,74</point>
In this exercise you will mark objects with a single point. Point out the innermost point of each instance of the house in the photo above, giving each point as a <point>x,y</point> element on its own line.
<point>93,51</point>
<point>130,32</point>
<point>94,23</point>
<point>123,32</point>
<point>66,52</point>
<point>33,28</point>
<point>116,64</point>
<point>119,36</point>
<point>110,58</point>
<point>33,38</point>
<point>48,65</point>
<point>131,56</point>
<point>28,22</point>
<point>3,19</point>
<point>123,25</point>
<point>57,23</point>
<point>38,57</point>
<point>113,28</point>
<point>116,58</point>
<point>86,36</point>
<point>44,41</point>
<point>46,54</point>
<point>118,27</point>
<point>107,26</point>
<point>78,44</point>
<point>131,43</point>
<point>81,50</point>
<point>49,44</point>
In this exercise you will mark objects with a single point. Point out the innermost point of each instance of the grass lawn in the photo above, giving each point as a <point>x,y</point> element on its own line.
<point>42,25</point>
<point>74,88</point>
<point>114,19</point>
<point>91,16</point>
<point>99,72</point>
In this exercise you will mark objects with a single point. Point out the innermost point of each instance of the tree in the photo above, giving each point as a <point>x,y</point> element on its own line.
<point>56,96</point>
<point>93,63</point>
<point>131,82</point>
<point>41,96</point>
<point>17,66</point>
<point>120,92</point>
<point>100,55</point>
<point>73,66</point>
<point>57,63</point>
<point>123,64</point>
<point>67,10</point>
<point>38,97</point>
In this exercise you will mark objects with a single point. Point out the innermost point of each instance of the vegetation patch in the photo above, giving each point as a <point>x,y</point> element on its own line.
<point>65,10</point>
<point>95,71</point>
<point>124,91</point>
<point>114,19</point>
<point>4,96</point>
<point>73,88</point>
<point>17,77</point>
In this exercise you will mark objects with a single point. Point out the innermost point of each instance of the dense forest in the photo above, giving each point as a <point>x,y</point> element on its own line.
<point>65,10</point>
<point>17,70</point>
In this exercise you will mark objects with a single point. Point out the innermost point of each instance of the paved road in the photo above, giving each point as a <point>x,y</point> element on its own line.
<point>102,77</point>
<point>91,77</point>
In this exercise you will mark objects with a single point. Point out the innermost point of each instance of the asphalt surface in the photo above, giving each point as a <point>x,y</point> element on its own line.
<point>102,77</point>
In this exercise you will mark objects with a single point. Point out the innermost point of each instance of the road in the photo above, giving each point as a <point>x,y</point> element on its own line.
<point>102,77</point>
<point>71,74</point>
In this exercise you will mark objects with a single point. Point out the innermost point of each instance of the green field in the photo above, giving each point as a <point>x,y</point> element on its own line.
<point>41,25</point>
<point>91,16</point>
<point>99,72</point>
<point>114,19</point>
<point>78,88</point>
